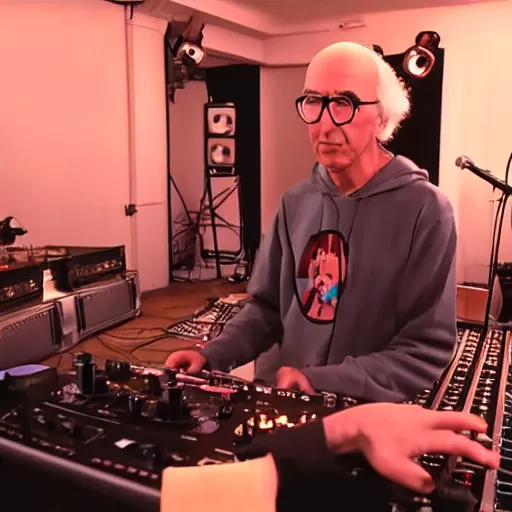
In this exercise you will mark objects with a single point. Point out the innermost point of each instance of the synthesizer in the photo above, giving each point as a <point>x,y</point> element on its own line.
<point>208,323</point>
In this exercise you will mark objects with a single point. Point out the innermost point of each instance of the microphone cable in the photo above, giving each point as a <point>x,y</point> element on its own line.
<point>495,246</point>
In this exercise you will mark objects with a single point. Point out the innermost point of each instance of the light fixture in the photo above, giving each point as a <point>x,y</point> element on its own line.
<point>419,59</point>
<point>184,53</point>
<point>10,228</point>
<point>378,49</point>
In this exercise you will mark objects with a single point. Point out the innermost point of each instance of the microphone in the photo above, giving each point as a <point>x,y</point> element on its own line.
<point>465,162</point>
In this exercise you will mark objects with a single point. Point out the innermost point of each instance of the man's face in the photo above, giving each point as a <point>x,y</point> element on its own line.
<point>336,147</point>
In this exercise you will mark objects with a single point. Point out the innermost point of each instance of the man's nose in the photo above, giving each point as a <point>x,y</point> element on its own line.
<point>325,122</point>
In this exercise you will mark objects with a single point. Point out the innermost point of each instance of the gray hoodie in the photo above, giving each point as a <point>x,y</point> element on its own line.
<point>393,326</point>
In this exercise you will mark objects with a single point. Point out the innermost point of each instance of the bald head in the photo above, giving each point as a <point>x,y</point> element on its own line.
<point>344,66</point>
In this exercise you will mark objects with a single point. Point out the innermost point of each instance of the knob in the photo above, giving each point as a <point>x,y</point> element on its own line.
<point>118,371</point>
<point>264,423</point>
<point>171,407</point>
<point>149,452</point>
<point>225,406</point>
<point>70,426</point>
<point>86,374</point>
<point>154,387</point>
<point>171,377</point>
<point>176,403</point>
<point>135,405</point>
<point>464,476</point>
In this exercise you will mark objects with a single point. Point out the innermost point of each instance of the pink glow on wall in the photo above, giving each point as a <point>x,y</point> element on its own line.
<point>65,109</point>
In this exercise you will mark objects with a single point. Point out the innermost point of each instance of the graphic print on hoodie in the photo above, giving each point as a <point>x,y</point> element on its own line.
<point>321,276</point>
<point>394,329</point>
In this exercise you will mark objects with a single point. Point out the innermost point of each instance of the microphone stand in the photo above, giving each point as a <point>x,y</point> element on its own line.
<point>495,249</point>
<point>494,256</point>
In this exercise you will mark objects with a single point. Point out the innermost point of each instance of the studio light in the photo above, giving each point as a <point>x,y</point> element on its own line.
<point>184,53</point>
<point>378,49</point>
<point>191,54</point>
<point>10,228</point>
<point>420,58</point>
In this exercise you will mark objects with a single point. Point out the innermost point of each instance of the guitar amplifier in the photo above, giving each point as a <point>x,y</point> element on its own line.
<point>82,266</point>
<point>29,335</point>
<point>107,304</point>
<point>34,333</point>
<point>504,272</point>
<point>20,286</point>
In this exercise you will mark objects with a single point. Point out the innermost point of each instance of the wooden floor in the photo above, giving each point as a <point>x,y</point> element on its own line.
<point>142,340</point>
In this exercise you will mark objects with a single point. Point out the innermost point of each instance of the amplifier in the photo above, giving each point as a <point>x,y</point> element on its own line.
<point>35,333</point>
<point>107,304</point>
<point>471,303</point>
<point>82,266</point>
<point>504,272</point>
<point>29,335</point>
<point>20,286</point>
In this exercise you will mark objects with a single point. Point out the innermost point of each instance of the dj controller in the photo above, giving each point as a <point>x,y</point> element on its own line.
<point>115,427</point>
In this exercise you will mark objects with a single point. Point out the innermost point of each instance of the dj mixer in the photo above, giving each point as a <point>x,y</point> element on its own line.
<point>117,427</point>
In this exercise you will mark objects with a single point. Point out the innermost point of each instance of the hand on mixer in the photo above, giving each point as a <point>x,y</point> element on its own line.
<point>392,436</point>
<point>190,361</point>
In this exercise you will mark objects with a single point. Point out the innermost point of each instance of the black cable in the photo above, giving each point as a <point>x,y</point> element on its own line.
<point>501,205</point>
<point>495,249</point>
<point>493,243</point>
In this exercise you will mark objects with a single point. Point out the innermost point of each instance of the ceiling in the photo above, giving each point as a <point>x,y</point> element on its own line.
<point>304,11</point>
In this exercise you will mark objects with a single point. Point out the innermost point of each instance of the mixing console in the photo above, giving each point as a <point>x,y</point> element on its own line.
<point>124,424</point>
<point>119,426</point>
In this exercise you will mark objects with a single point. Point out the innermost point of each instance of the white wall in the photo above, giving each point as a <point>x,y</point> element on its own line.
<point>69,164</point>
<point>187,146</point>
<point>476,111</point>
<point>286,155</point>
<point>65,106</point>
<point>149,150</point>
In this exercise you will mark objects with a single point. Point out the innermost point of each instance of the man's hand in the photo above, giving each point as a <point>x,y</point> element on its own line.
<point>188,360</point>
<point>291,378</point>
<point>391,436</point>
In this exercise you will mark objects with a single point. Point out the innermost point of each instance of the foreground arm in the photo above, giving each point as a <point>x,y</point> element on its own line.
<point>321,447</point>
<point>416,357</point>
<point>258,326</point>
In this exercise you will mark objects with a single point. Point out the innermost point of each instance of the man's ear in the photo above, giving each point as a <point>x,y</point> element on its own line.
<point>380,124</point>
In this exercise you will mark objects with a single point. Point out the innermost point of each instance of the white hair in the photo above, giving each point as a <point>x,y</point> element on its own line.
<point>394,100</point>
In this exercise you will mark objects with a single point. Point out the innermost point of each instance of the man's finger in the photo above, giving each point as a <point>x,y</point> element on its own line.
<point>457,444</point>
<point>408,474</point>
<point>456,421</point>
<point>284,382</point>
<point>194,367</point>
<point>171,363</point>
<point>305,386</point>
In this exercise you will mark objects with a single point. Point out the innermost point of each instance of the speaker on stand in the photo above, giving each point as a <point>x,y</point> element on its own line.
<point>220,171</point>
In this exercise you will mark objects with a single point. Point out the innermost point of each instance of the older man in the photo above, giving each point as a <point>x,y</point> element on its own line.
<point>390,233</point>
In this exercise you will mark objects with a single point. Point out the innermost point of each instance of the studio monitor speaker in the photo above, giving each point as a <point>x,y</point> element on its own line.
<point>220,138</point>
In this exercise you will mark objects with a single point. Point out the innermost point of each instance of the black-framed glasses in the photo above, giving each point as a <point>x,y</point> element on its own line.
<point>342,108</point>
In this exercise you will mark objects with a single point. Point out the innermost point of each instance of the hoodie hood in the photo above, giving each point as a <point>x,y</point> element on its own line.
<point>397,173</point>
